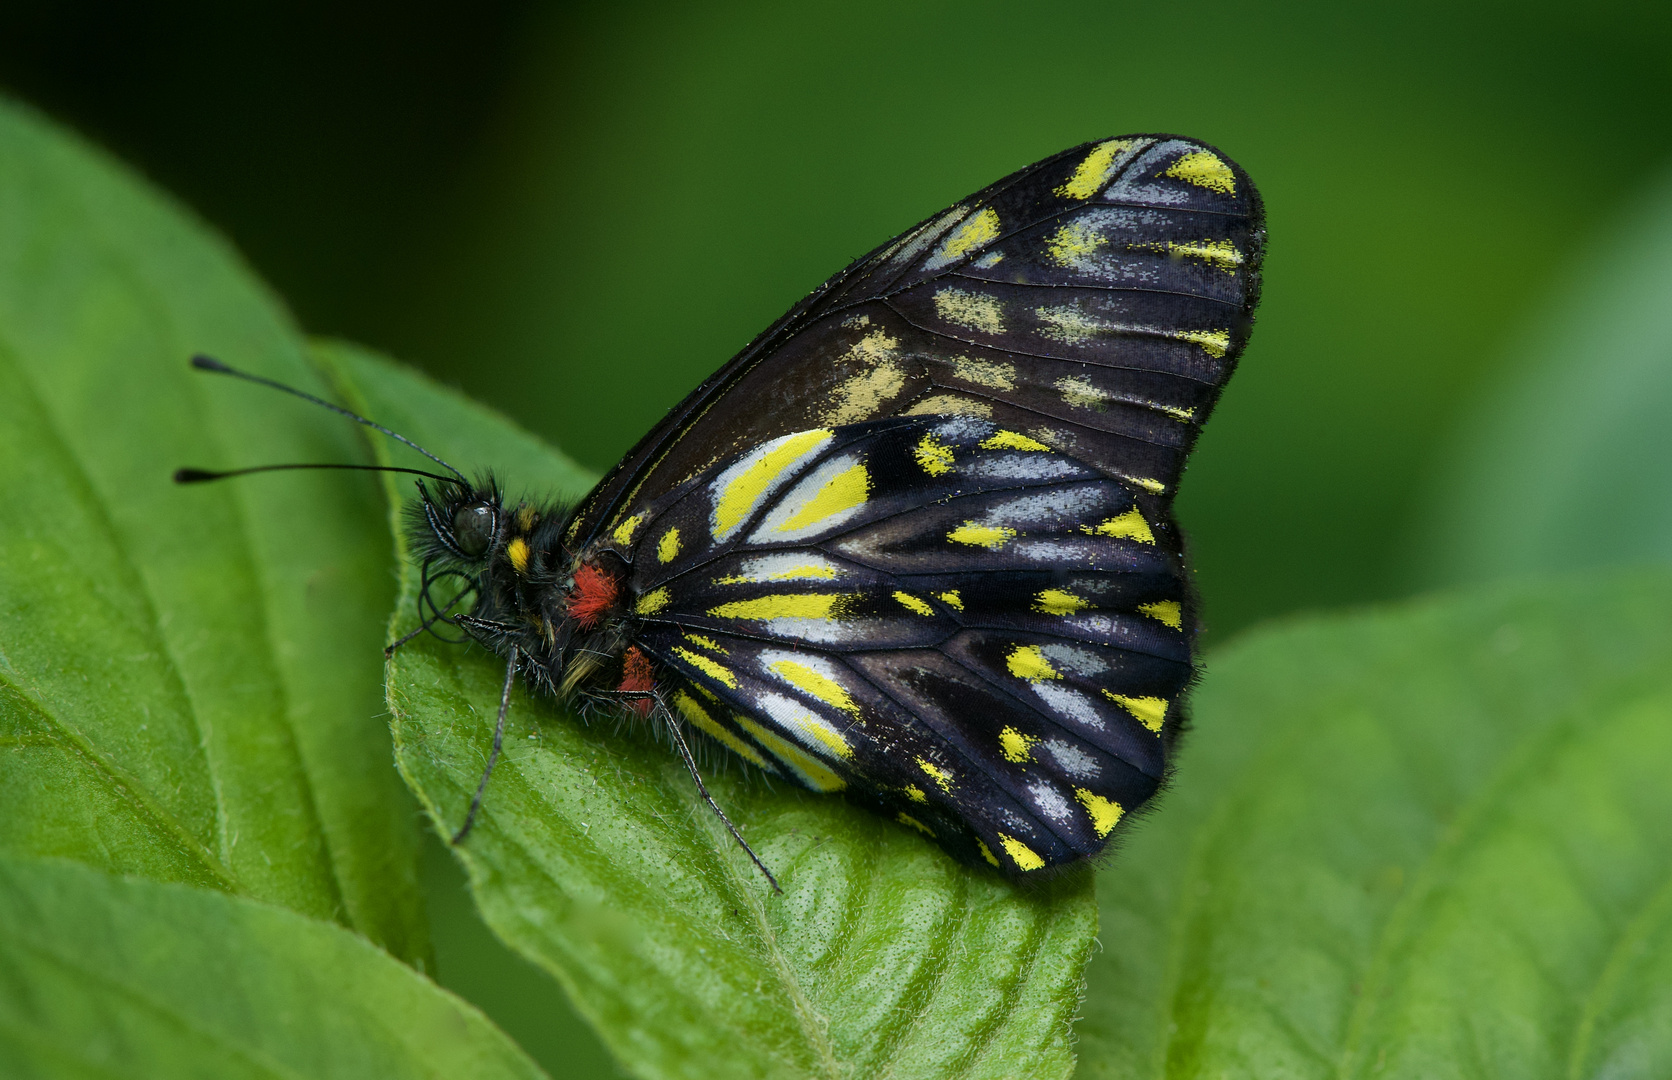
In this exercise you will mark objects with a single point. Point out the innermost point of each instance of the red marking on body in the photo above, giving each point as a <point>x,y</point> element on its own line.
<point>595,593</point>
<point>637,677</point>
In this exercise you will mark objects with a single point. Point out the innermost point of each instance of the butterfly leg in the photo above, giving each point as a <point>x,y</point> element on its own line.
<point>486,626</point>
<point>702,789</point>
<point>439,616</point>
<point>498,740</point>
<point>661,711</point>
<point>496,636</point>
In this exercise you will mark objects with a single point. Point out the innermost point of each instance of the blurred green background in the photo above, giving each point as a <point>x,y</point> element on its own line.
<point>575,212</point>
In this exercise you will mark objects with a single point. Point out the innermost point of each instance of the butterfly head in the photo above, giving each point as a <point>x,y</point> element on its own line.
<point>465,535</point>
<point>525,581</point>
<point>510,553</point>
<point>462,522</point>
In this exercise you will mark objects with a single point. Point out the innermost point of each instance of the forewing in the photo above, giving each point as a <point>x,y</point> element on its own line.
<point>1095,301</point>
<point>962,626</point>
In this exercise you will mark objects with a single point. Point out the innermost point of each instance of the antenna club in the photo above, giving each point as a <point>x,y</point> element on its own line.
<point>209,363</point>
<point>193,476</point>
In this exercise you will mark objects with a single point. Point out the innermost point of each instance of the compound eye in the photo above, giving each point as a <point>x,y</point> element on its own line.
<point>473,529</point>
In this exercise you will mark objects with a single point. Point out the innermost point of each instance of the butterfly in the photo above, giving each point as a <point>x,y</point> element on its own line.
<point>914,543</point>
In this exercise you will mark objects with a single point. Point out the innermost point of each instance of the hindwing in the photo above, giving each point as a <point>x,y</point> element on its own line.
<point>978,633</point>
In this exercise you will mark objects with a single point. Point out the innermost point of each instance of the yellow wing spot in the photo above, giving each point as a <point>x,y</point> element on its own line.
<point>991,537</point>
<point>517,552</point>
<point>1016,746</point>
<point>860,396</point>
<point>820,571</point>
<point>690,708</point>
<point>915,794</point>
<point>994,374</point>
<point>952,599</point>
<point>788,606</point>
<point>1154,487</point>
<point>1175,412</point>
<point>1059,602</point>
<point>1221,254</point>
<point>828,737</point>
<point>624,531</point>
<point>1023,856</point>
<point>912,603</point>
<point>795,573</point>
<point>986,852</point>
<point>1105,813</point>
<point>1092,172</point>
<point>874,348</point>
<point>652,602</point>
<point>1149,711</point>
<point>1011,440</point>
<point>933,456</point>
<point>817,684</point>
<point>819,777</point>
<point>1128,526</point>
<point>708,667</point>
<point>1216,343</point>
<point>745,490</point>
<point>525,518</point>
<point>667,548</point>
<point>1081,393</point>
<point>1028,662</point>
<point>970,310</point>
<point>1205,171</point>
<point>976,232</point>
<point>1167,611</point>
<point>844,491</point>
<point>1068,324</point>
<point>950,405</point>
<point>707,643</point>
<point>906,819</point>
<point>1074,242</point>
<point>941,777</point>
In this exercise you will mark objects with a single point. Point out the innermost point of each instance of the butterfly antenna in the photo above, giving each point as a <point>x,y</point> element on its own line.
<point>209,363</point>
<point>199,476</point>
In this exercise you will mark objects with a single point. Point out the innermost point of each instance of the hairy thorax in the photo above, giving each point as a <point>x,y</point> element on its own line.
<point>566,612</point>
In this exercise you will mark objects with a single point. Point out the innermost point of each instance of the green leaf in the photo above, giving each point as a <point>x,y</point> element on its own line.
<point>188,676</point>
<point>1425,841</point>
<point>595,858</point>
<point>523,1001</point>
<point>106,976</point>
<point>1568,464</point>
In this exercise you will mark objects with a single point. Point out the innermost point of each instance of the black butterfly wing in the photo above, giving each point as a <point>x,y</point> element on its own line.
<point>1096,301</point>
<point>965,628</point>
